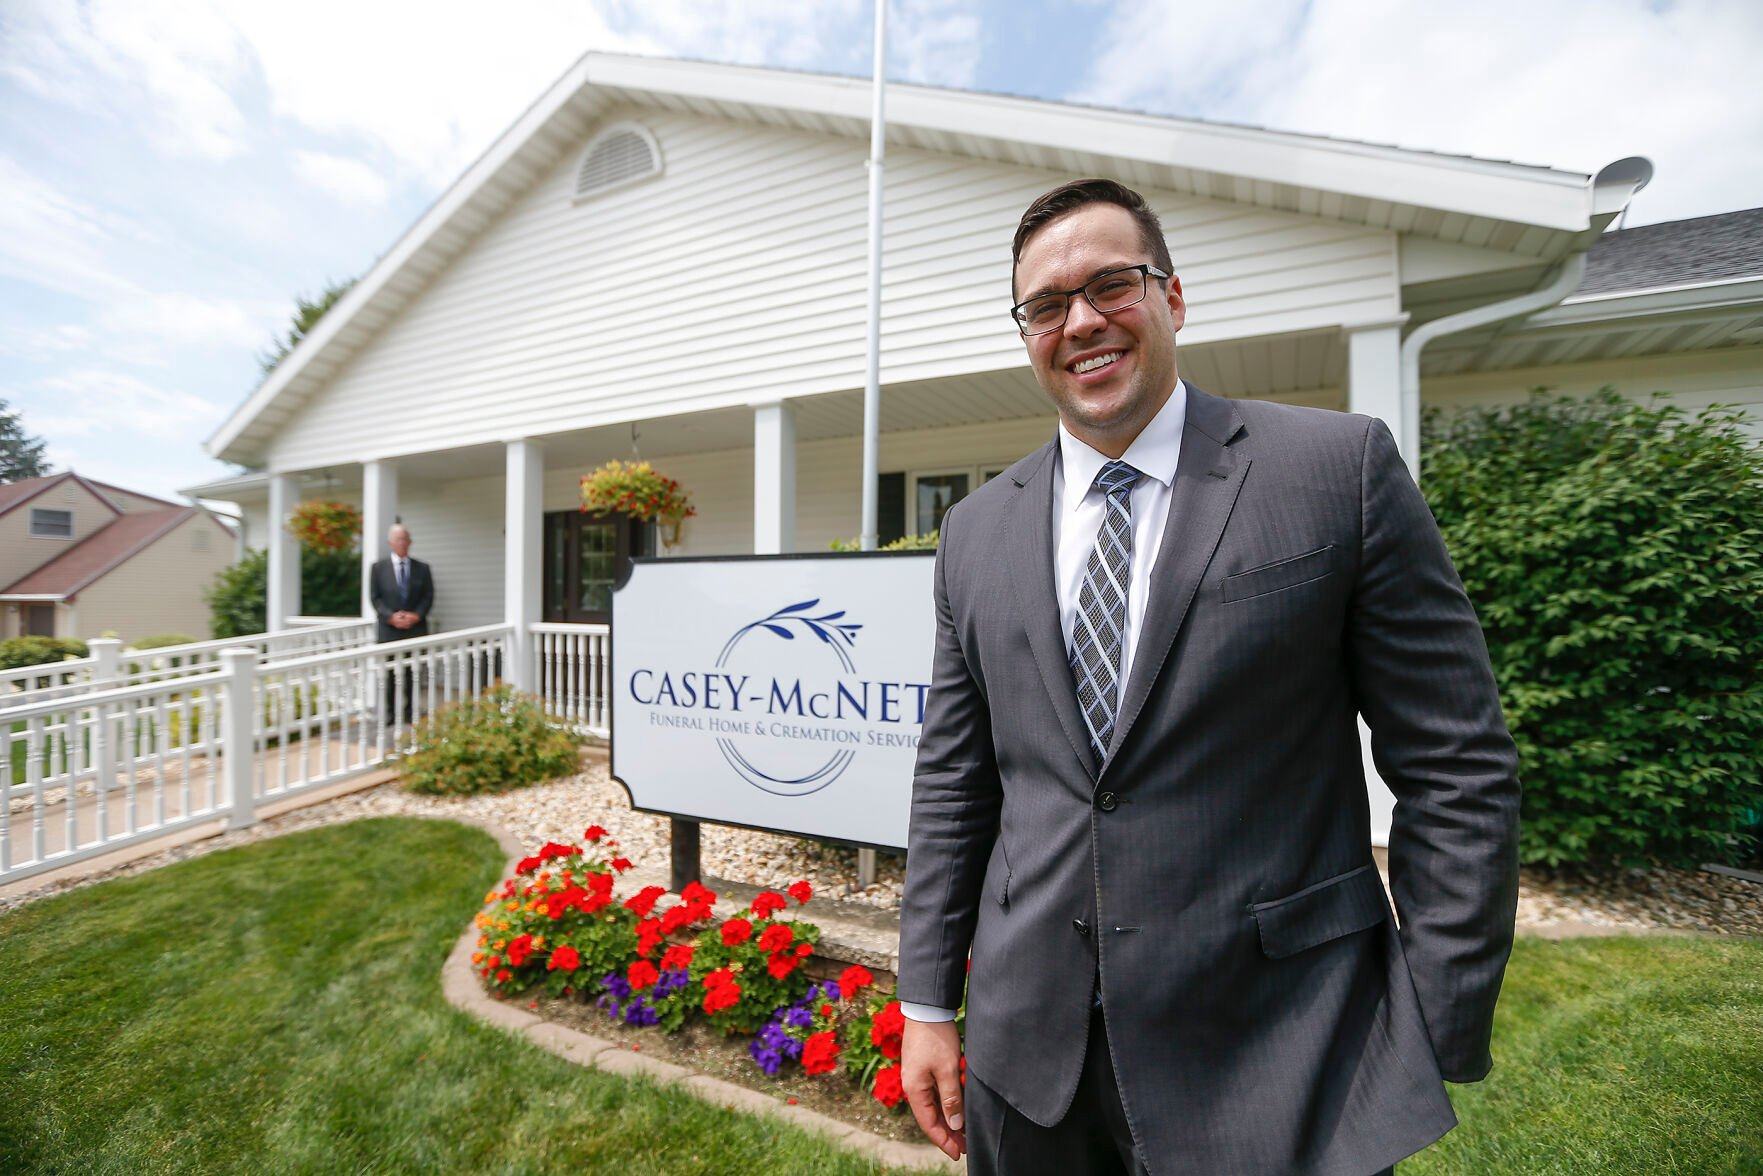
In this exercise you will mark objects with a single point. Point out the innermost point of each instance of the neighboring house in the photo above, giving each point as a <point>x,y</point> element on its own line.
<point>80,558</point>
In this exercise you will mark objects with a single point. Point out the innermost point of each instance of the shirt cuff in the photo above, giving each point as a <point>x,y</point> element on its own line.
<point>924,1012</point>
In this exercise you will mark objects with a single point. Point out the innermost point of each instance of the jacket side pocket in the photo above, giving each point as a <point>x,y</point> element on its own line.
<point>1317,914</point>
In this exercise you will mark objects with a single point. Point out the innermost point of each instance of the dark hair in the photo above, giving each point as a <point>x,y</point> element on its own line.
<point>1069,197</point>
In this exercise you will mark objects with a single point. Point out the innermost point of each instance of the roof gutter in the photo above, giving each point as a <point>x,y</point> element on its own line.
<point>1611,189</point>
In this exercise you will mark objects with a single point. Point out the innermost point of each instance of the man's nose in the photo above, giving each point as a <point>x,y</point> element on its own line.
<point>1082,319</point>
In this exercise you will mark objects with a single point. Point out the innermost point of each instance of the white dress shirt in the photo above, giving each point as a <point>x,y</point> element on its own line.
<point>1078,508</point>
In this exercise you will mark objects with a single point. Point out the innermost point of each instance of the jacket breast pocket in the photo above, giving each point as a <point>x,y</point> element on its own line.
<point>1285,573</point>
<point>1316,914</point>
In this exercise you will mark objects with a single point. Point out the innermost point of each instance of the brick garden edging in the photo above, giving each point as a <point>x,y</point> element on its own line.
<point>463,990</point>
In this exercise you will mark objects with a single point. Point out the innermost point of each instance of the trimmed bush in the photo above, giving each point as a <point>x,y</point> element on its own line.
<point>163,640</point>
<point>492,743</point>
<point>330,585</point>
<point>18,652</point>
<point>1614,552</point>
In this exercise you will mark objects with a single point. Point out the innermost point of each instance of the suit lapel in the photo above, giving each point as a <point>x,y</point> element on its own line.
<point>1208,477</point>
<point>1028,537</point>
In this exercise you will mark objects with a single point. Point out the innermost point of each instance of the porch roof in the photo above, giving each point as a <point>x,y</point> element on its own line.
<point>1533,211</point>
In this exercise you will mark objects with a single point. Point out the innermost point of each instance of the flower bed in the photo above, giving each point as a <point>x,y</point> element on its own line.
<point>558,931</point>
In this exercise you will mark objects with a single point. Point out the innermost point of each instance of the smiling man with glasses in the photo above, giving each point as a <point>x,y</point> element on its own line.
<point>1139,807</point>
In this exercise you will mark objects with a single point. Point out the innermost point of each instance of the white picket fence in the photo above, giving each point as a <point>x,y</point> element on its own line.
<point>109,664</point>
<point>90,768</point>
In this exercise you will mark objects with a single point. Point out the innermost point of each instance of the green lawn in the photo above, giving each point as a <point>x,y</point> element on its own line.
<point>277,1007</point>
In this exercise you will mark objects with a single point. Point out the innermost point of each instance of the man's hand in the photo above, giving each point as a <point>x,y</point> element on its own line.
<point>930,1073</point>
<point>403,619</point>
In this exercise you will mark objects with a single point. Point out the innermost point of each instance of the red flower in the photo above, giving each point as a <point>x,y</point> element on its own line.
<point>736,931</point>
<point>804,950</point>
<point>648,937</point>
<point>503,976</point>
<point>820,1053</point>
<point>519,948</point>
<point>776,937</point>
<point>526,865</point>
<point>780,964</point>
<point>768,902</point>
<point>620,864</point>
<point>642,974</point>
<point>720,991</point>
<point>677,956</point>
<point>593,833</point>
<point>552,849</point>
<point>853,978</point>
<point>801,891</point>
<point>675,917</point>
<point>695,892</point>
<point>886,1029</point>
<point>888,1091</point>
<point>565,958</point>
<point>644,900</point>
<point>826,1010</point>
<point>494,961</point>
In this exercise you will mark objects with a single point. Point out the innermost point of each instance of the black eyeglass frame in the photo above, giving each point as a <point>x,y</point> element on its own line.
<point>1145,268</point>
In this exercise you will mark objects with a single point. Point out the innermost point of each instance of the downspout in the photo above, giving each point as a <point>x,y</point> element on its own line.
<point>1610,191</point>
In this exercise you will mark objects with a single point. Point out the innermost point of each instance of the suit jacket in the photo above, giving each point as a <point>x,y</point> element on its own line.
<point>1214,872</point>
<point>418,597</point>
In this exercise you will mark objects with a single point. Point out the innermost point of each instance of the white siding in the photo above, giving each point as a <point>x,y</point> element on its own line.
<point>456,527</point>
<point>564,316</point>
<point>1726,376</point>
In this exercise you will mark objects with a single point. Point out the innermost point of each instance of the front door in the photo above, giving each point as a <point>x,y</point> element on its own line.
<point>585,554</point>
<point>39,620</point>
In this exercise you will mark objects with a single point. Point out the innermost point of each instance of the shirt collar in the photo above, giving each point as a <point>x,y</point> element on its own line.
<point>1153,452</point>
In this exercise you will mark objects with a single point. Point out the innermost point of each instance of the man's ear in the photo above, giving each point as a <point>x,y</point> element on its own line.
<point>1178,305</point>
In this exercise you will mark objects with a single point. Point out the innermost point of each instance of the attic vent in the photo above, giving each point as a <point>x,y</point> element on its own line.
<point>618,156</point>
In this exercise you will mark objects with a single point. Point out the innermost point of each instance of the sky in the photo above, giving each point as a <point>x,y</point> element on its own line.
<point>173,173</point>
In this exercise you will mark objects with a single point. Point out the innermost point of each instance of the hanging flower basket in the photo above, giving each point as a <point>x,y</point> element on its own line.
<point>635,489</point>
<point>325,526</point>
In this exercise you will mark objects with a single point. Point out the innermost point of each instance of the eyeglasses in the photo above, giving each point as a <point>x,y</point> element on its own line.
<point>1109,292</point>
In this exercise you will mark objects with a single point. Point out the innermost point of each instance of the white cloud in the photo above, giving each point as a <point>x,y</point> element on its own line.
<point>350,180</point>
<point>1573,84</point>
<point>95,402</point>
<point>936,42</point>
<point>167,65</point>
<point>54,240</point>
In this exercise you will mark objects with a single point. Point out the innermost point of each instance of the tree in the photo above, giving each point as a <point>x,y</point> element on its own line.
<point>1614,552</point>
<point>306,316</point>
<point>21,455</point>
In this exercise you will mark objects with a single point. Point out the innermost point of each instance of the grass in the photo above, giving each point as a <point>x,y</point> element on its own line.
<point>277,1008</point>
<point>1618,1055</point>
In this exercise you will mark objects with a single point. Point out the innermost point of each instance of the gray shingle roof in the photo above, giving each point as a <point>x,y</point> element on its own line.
<point>1674,253</point>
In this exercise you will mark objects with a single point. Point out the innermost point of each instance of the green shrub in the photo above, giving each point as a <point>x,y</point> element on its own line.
<point>330,585</point>
<point>492,743</point>
<point>1614,553</point>
<point>18,652</point>
<point>163,640</point>
<point>924,542</point>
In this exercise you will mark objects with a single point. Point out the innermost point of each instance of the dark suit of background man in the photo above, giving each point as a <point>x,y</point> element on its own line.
<point>402,591</point>
<point>1146,818</point>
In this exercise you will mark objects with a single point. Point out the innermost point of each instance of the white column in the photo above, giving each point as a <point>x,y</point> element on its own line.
<point>284,554</point>
<point>1374,382</point>
<point>774,477</point>
<point>522,553</point>
<point>379,509</point>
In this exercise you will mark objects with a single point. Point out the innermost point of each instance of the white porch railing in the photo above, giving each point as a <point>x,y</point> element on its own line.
<point>572,665</point>
<point>108,667</point>
<point>88,774</point>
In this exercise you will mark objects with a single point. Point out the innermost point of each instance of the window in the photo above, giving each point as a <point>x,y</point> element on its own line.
<point>913,503</point>
<point>51,524</point>
<point>618,156</point>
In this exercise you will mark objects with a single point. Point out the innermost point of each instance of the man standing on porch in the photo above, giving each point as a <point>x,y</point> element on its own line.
<point>1139,801</point>
<point>403,592</point>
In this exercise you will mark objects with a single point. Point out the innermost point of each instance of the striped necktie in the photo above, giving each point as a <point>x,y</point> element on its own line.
<point>1099,633</point>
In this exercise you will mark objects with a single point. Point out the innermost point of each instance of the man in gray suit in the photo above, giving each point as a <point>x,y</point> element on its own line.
<point>1139,803</point>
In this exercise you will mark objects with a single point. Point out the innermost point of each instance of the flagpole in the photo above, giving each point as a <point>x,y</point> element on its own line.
<point>872,379</point>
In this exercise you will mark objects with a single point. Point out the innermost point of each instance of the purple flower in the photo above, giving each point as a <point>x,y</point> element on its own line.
<point>671,981</point>
<point>617,985</point>
<point>797,1017</point>
<point>640,1012</point>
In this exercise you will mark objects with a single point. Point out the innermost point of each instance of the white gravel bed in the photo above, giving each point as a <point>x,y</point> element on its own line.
<point>1632,900</point>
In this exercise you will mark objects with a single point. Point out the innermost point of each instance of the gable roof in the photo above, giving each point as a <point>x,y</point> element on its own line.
<point>99,553</point>
<point>16,494</point>
<point>1535,211</point>
<point>1677,253</point>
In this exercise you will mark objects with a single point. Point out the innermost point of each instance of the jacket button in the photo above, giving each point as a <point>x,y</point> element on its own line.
<point>1107,802</point>
<point>1083,928</point>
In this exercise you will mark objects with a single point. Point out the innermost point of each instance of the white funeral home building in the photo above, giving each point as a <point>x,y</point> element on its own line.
<point>667,260</point>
